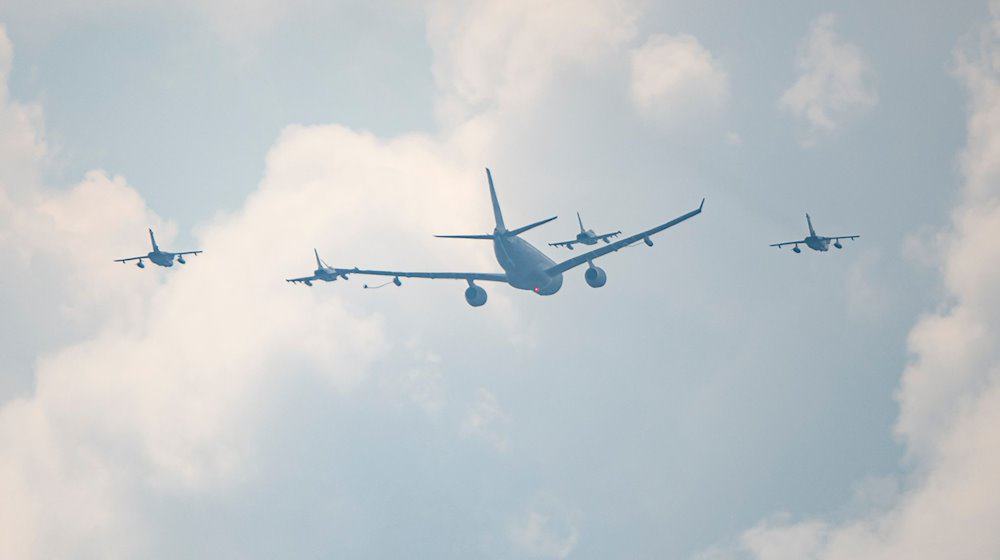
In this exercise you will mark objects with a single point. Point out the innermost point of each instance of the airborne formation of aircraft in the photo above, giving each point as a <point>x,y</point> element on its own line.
<point>586,237</point>
<point>524,266</point>
<point>815,242</point>
<point>158,257</point>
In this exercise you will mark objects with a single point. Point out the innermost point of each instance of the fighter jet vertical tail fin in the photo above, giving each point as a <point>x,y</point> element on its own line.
<point>152,240</point>
<point>580,221</point>
<point>809,221</point>
<point>497,215</point>
<point>319,262</point>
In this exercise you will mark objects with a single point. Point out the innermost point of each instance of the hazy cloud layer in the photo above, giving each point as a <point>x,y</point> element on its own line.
<point>949,395</point>
<point>835,80</point>
<point>166,390</point>
<point>216,411</point>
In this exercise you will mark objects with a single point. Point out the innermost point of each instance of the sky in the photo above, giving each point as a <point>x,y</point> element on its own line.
<point>718,399</point>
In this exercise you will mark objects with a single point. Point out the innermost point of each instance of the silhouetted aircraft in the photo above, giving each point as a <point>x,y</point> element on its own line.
<point>586,237</point>
<point>158,257</point>
<point>525,267</point>
<point>816,242</point>
<point>322,272</point>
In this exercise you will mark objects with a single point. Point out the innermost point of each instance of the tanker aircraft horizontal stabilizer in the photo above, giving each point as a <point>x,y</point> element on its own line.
<point>815,242</point>
<point>158,257</point>
<point>524,266</point>
<point>586,236</point>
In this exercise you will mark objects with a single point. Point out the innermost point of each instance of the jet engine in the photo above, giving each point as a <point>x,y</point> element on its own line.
<point>596,277</point>
<point>838,245</point>
<point>647,241</point>
<point>181,260</point>
<point>140,265</point>
<point>475,296</point>
<point>308,283</point>
<point>796,249</point>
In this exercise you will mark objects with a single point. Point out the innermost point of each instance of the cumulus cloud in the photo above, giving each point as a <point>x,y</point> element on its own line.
<point>675,78</point>
<point>172,392</point>
<point>50,242</point>
<point>22,145</point>
<point>835,82</point>
<point>949,395</point>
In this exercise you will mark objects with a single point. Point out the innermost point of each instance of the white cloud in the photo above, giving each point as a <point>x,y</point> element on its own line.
<point>835,83</point>
<point>22,145</point>
<point>675,78</point>
<point>166,389</point>
<point>507,53</point>
<point>949,395</point>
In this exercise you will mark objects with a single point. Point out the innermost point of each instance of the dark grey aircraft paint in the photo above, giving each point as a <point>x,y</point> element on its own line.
<point>323,272</point>
<point>524,266</point>
<point>815,242</point>
<point>586,237</point>
<point>158,257</point>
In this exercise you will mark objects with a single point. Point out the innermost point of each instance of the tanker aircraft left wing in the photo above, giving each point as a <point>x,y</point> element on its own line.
<point>468,276</point>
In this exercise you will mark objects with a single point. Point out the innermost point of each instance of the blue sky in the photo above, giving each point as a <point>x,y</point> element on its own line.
<point>717,399</point>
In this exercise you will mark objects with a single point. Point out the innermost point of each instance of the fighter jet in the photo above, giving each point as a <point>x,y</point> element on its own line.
<point>322,272</point>
<point>816,242</point>
<point>158,257</point>
<point>586,237</point>
<point>524,266</point>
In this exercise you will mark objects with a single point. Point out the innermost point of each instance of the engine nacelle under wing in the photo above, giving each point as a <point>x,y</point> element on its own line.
<point>475,296</point>
<point>595,277</point>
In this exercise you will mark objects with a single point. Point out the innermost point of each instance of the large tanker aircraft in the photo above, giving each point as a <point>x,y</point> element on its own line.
<point>524,266</point>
